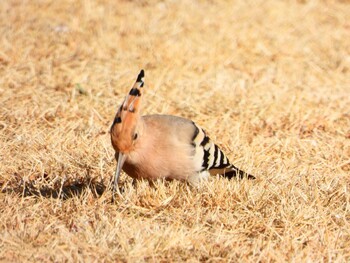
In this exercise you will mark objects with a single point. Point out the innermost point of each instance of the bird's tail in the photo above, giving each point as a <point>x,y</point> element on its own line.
<point>233,172</point>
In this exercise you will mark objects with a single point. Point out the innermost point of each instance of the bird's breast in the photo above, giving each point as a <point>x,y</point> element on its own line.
<point>160,162</point>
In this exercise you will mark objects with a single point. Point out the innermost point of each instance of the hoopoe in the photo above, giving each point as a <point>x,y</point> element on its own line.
<point>164,146</point>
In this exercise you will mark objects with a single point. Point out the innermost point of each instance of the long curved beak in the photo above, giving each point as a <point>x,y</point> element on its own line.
<point>121,160</point>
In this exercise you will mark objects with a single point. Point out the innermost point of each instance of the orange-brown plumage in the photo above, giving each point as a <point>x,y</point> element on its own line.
<point>164,146</point>
<point>127,118</point>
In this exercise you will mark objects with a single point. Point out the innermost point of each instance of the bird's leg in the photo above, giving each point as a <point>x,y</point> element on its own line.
<point>121,160</point>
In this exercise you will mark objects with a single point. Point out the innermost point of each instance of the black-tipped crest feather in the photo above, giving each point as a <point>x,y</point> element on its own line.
<point>140,76</point>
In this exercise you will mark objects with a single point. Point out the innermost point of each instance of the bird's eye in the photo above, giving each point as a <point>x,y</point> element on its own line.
<point>135,136</point>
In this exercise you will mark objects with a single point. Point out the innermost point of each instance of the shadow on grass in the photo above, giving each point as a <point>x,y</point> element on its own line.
<point>59,188</point>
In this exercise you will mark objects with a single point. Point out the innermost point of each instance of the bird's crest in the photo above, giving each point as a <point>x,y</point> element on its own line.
<point>123,130</point>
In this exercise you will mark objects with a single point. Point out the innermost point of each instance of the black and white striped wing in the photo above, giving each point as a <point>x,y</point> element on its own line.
<point>209,157</point>
<point>208,152</point>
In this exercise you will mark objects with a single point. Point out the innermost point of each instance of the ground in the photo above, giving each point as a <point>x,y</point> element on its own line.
<point>268,80</point>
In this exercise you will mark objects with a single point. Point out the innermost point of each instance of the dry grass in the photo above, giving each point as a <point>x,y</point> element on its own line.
<point>270,82</point>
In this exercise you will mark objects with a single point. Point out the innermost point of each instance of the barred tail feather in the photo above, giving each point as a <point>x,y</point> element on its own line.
<point>234,172</point>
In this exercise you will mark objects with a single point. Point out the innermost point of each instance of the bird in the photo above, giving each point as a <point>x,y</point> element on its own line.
<point>164,146</point>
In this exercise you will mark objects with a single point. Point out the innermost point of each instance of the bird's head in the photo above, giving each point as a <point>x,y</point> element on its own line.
<point>125,127</point>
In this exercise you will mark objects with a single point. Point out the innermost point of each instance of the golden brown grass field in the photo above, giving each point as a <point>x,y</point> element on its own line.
<point>268,80</point>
